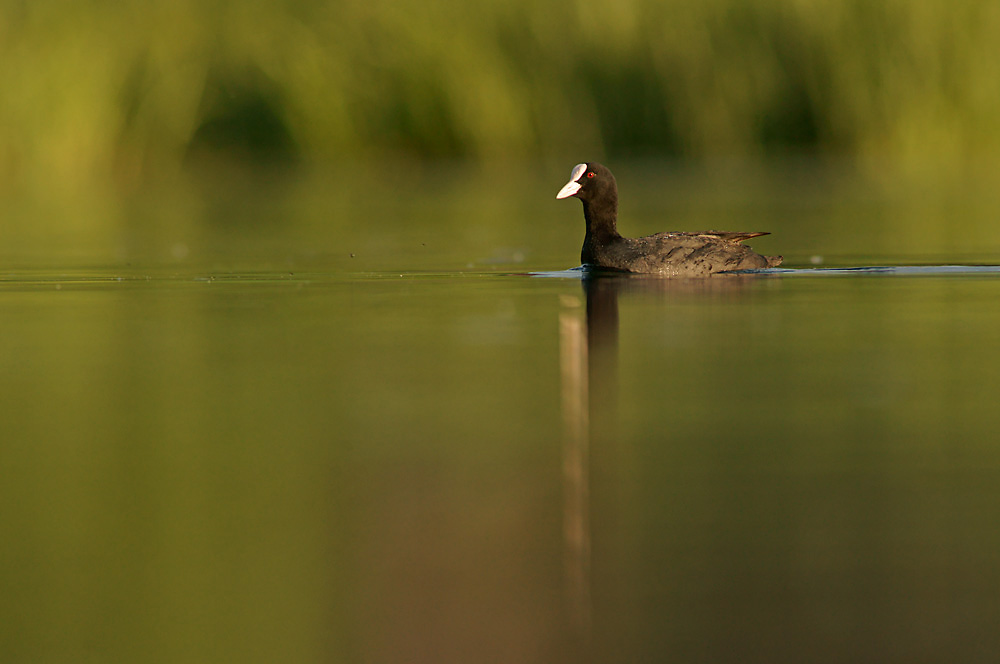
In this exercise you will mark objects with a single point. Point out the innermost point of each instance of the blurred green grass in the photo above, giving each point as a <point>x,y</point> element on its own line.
<point>126,91</point>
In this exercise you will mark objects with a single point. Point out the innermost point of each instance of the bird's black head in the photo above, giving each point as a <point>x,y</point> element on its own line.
<point>593,184</point>
<point>590,182</point>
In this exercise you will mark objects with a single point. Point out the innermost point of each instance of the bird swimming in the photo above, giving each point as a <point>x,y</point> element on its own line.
<point>673,254</point>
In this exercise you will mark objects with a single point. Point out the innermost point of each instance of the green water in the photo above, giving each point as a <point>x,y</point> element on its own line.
<point>243,444</point>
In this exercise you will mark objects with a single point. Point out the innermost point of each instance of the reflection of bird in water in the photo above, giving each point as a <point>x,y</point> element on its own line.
<point>589,366</point>
<point>668,254</point>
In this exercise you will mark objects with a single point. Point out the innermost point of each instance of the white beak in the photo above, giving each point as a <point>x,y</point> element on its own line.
<point>572,186</point>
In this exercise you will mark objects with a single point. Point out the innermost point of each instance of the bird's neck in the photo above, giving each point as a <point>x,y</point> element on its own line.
<point>602,219</point>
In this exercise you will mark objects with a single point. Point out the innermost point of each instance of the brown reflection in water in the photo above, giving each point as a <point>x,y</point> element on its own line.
<point>589,369</point>
<point>576,471</point>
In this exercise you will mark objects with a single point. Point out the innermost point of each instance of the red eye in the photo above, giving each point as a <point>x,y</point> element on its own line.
<point>591,174</point>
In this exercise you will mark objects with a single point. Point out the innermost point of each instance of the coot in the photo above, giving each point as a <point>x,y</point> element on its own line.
<point>674,254</point>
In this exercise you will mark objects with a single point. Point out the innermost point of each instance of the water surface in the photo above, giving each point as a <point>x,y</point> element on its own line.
<point>251,446</point>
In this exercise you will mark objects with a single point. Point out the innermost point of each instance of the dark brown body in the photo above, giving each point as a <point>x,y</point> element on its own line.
<point>676,254</point>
